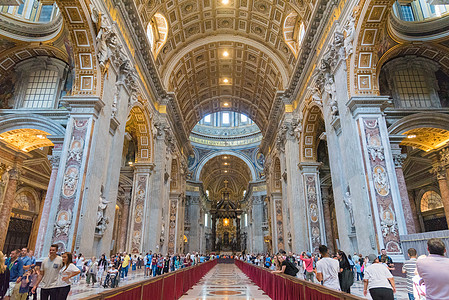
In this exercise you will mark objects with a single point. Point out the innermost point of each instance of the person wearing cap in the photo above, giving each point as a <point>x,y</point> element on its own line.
<point>308,265</point>
<point>378,280</point>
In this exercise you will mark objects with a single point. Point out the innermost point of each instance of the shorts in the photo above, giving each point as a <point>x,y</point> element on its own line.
<point>10,290</point>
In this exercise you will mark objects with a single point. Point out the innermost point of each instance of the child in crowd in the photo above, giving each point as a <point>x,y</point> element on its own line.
<point>25,283</point>
<point>358,268</point>
<point>34,275</point>
<point>113,272</point>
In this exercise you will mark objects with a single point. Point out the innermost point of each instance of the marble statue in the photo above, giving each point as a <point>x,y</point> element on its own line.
<point>102,219</point>
<point>348,203</point>
<point>349,39</point>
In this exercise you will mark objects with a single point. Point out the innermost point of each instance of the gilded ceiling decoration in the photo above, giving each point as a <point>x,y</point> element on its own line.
<point>225,168</point>
<point>426,139</point>
<point>26,139</point>
<point>199,81</point>
<point>193,65</point>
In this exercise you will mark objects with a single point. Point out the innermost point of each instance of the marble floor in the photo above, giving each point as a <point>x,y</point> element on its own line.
<point>401,289</point>
<point>82,290</point>
<point>225,282</point>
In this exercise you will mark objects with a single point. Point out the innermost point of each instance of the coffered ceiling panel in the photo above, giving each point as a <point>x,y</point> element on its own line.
<point>225,170</point>
<point>206,81</point>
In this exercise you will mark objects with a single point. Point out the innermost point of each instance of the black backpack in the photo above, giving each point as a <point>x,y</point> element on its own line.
<point>292,266</point>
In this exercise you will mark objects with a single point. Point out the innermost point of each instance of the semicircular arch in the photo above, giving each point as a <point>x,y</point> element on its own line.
<point>208,157</point>
<point>26,121</point>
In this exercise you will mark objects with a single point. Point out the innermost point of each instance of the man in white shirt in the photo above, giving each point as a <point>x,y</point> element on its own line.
<point>327,270</point>
<point>49,275</point>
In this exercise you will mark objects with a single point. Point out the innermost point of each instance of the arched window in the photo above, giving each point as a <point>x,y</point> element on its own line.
<point>157,32</point>
<point>411,81</point>
<point>294,31</point>
<point>420,10</point>
<point>32,11</point>
<point>41,81</point>
<point>431,200</point>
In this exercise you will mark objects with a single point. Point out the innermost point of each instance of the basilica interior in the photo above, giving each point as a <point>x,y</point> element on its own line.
<point>223,126</point>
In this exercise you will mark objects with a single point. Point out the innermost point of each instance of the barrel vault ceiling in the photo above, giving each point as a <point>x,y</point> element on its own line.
<point>192,63</point>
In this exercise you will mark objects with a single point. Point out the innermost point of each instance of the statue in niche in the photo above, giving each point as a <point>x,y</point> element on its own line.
<point>348,203</point>
<point>102,219</point>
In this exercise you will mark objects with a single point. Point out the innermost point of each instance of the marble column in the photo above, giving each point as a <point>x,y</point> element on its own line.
<point>54,161</point>
<point>441,173</point>
<point>327,217</point>
<point>293,187</point>
<point>410,216</point>
<point>139,203</point>
<point>5,212</point>
<point>214,231</point>
<point>385,213</point>
<point>125,221</point>
<point>257,215</point>
<point>313,207</point>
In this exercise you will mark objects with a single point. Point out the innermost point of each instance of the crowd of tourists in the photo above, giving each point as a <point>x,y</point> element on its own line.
<point>427,276</point>
<point>21,275</point>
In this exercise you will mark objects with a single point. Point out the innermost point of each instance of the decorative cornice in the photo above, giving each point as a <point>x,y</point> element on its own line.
<point>309,44</point>
<point>30,32</point>
<point>130,14</point>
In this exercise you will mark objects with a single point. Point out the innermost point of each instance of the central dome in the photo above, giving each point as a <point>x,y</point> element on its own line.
<point>226,128</point>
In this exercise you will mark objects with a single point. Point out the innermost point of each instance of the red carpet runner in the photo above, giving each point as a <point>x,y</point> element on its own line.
<point>165,287</point>
<point>284,287</point>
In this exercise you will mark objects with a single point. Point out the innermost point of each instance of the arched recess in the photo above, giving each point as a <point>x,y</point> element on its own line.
<point>293,31</point>
<point>420,120</point>
<point>157,32</point>
<point>312,129</point>
<point>218,153</point>
<point>11,57</point>
<point>277,178</point>
<point>25,121</point>
<point>83,36</point>
<point>28,131</point>
<point>139,125</point>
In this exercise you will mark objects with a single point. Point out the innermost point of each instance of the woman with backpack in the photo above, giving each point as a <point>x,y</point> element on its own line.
<point>286,267</point>
<point>346,276</point>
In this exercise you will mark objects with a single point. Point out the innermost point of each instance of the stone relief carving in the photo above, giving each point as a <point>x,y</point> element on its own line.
<point>54,159</point>
<point>388,222</point>
<point>316,95</point>
<point>76,149</point>
<point>70,181</point>
<point>439,171</point>
<point>375,148</point>
<point>444,156</point>
<point>381,180</point>
<point>398,159</point>
<point>63,221</point>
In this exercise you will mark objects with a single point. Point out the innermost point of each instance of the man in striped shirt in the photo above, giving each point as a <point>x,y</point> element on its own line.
<point>409,268</point>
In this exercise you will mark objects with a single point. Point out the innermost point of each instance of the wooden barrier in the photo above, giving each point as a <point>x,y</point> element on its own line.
<point>285,287</point>
<point>170,286</point>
